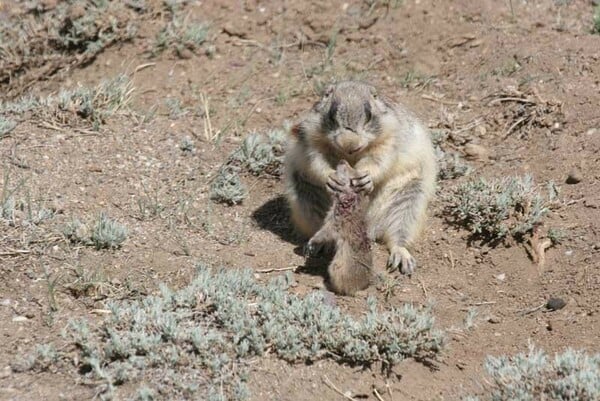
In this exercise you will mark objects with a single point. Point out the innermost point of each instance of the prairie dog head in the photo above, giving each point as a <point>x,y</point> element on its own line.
<point>350,117</point>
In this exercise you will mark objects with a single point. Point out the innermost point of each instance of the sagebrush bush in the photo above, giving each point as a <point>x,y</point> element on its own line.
<point>258,154</point>
<point>180,34</point>
<point>568,376</point>
<point>227,187</point>
<point>450,164</point>
<point>495,209</point>
<point>48,39</point>
<point>195,343</point>
<point>6,126</point>
<point>107,233</point>
<point>596,20</point>
<point>94,104</point>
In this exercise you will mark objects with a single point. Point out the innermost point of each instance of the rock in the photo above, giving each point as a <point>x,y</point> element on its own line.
<point>4,373</point>
<point>234,30</point>
<point>555,304</point>
<point>501,277</point>
<point>574,177</point>
<point>494,319</point>
<point>592,131</point>
<point>476,152</point>
<point>18,319</point>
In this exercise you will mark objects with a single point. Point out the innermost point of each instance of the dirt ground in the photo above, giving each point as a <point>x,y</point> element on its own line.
<point>446,60</point>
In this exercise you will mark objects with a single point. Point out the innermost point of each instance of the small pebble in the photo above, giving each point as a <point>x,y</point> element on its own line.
<point>501,277</point>
<point>555,304</point>
<point>494,319</point>
<point>4,373</point>
<point>19,319</point>
<point>574,177</point>
<point>476,152</point>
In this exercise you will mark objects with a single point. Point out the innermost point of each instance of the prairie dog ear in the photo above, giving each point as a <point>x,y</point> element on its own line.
<point>297,131</point>
<point>374,93</point>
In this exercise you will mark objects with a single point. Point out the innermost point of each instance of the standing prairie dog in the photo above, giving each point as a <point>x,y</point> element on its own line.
<point>389,148</point>
<point>345,225</point>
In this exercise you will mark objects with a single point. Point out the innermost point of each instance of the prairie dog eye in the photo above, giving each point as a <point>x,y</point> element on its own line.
<point>368,112</point>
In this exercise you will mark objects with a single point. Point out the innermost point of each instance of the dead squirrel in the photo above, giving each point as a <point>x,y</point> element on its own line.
<point>385,143</point>
<point>345,225</point>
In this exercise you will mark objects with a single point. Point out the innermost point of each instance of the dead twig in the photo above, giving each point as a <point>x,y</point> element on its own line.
<point>482,303</point>
<point>510,99</point>
<point>538,247</point>
<point>442,101</point>
<point>524,312</point>
<point>15,252</point>
<point>281,269</point>
<point>209,135</point>
<point>142,67</point>
<point>423,288</point>
<point>377,394</point>
<point>389,390</point>
<point>337,390</point>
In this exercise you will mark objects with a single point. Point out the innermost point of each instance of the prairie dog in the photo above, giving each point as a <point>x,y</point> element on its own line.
<point>385,143</point>
<point>345,225</point>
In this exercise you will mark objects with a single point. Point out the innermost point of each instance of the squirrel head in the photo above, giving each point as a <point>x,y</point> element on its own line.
<point>350,116</point>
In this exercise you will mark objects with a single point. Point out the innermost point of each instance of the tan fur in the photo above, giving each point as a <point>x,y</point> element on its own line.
<point>394,150</point>
<point>345,225</point>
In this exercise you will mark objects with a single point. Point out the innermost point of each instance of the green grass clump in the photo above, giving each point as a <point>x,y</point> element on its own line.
<point>498,208</point>
<point>596,20</point>
<point>569,376</point>
<point>197,342</point>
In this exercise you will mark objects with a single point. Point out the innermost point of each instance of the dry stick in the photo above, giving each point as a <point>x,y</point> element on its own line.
<point>510,99</point>
<point>524,312</point>
<point>377,394</point>
<point>389,389</point>
<point>451,259</point>
<point>538,248</point>
<point>15,252</point>
<point>482,303</point>
<point>442,101</point>
<point>423,287</point>
<point>208,131</point>
<point>45,124</point>
<point>281,269</point>
<point>516,124</point>
<point>337,390</point>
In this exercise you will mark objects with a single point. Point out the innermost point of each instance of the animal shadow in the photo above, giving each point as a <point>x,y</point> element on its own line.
<point>274,216</point>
